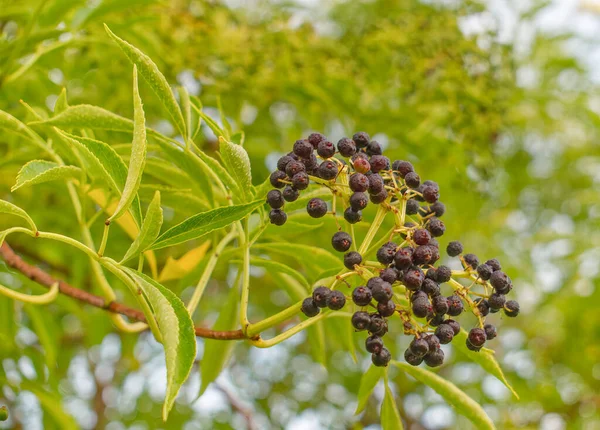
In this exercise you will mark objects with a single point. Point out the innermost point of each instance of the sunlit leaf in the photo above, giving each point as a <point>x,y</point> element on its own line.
<point>39,171</point>
<point>390,417</point>
<point>178,268</point>
<point>367,384</point>
<point>237,162</point>
<point>149,230</point>
<point>9,208</point>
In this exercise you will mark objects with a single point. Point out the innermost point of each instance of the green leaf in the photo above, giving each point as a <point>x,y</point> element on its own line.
<point>485,358</point>
<point>105,160</point>
<point>9,208</point>
<point>184,100</point>
<point>177,330</point>
<point>390,417</point>
<point>88,116</point>
<point>154,78</point>
<point>339,328</point>
<point>316,340</point>
<point>38,171</point>
<point>137,160</point>
<point>305,254</point>
<point>216,352</point>
<point>149,230</point>
<point>197,106</point>
<point>275,266</point>
<point>367,384</point>
<point>203,223</point>
<point>61,102</point>
<point>3,413</point>
<point>238,138</point>
<point>451,393</point>
<point>237,162</point>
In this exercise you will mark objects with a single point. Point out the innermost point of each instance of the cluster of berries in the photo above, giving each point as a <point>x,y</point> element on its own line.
<point>406,281</point>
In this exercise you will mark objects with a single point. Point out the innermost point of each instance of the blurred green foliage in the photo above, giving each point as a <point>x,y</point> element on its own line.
<point>517,160</point>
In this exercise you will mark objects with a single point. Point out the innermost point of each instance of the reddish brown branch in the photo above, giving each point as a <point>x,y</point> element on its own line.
<point>39,276</point>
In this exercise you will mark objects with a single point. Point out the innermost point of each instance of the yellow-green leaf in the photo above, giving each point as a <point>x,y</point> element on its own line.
<point>457,398</point>
<point>9,208</point>
<point>237,162</point>
<point>390,417</point>
<point>137,160</point>
<point>367,384</point>
<point>38,171</point>
<point>149,230</point>
<point>88,116</point>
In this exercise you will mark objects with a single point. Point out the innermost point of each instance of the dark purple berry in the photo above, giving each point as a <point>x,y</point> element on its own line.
<point>300,181</point>
<point>294,167</point>
<point>358,201</point>
<point>290,194</point>
<point>361,139</point>
<point>413,278</point>
<point>430,287</point>
<point>276,177</point>
<point>440,305</point>
<point>434,319</point>
<point>336,300</point>
<point>454,324</point>
<point>352,259</point>
<point>283,162</point>
<point>382,291</point>
<point>382,358</point>
<point>490,331</point>
<point>303,148</point>
<point>346,147</point>
<point>379,197</point>
<point>277,217</point>
<point>411,358</point>
<point>385,254</point>
<point>315,138</point>
<point>443,274</point>
<point>402,167</point>
<point>436,227</point>
<point>341,241</point>
<point>433,342</point>
<point>444,333</point>
<point>378,325</point>
<point>418,295</point>
<point>362,296</point>
<point>309,308</point>
<point>320,296</point>
<point>434,358</point>
<point>476,337</point>
<point>454,248</point>
<point>438,208</point>
<point>373,344</point>
<point>386,309</point>
<point>471,260</point>
<point>511,308</point>
<point>316,208</point>
<point>361,320</point>
<point>275,199</point>
<point>412,207</point>
<point>421,236</point>
<point>403,258</point>
<point>359,182</point>
<point>328,170</point>
<point>389,275</point>
<point>497,301</point>
<point>500,281</point>
<point>431,193</point>
<point>352,216</point>
<point>455,306</point>
<point>482,306</point>
<point>412,179</point>
<point>484,271</point>
<point>472,347</point>
<point>326,149</point>
<point>422,255</point>
<point>494,264</point>
<point>379,162</point>
<point>419,347</point>
<point>421,307</point>
<point>373,148</point>
<point>376,184</point>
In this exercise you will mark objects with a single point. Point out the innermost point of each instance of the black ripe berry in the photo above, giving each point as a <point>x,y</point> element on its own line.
<point>418,295</point>
<point>430,287</point>
<point>511,308</point>
<point>326,149</point>
<point>434,358</point>
<point>421,307</point>
<point>438,208</point>
<point>482,306</point>
<point>412,207</point>
<point>361,320</point>
<point>433,342</point>
<point>476,337</point>
<point>300,181</point>
<point>454,324</point>
<point>403,258</point>
<point>381,290</point>
<point>303,148</point>
<point>490,331</point>
<point>373,148</point>
<point>320,296</point>
<point>412,179</point>
<point>419,347</point>
<point>494,264</point>
<point>379,197</point>
<point>283,162</point>
<point>275,199</point>
<point>434,320</point>
<point>497,301</point>
<point>436,227</point>
<point>411,358</point>
<point>316,208</point>
<point>379,163</point>
<point>500,281</point>
<point>484,271</point>
<point>386,309</point>
<point>359,182</point>
<point>440,305</point>
<point>374,344</point>
<point>294,167</point>
<point>327,170</point>
<point>443,274</point>
<point>352,216</point>
<point>455,306</point>
<point>430,191</point>
<point>389,274</point>
<point>444,333</point>
<point>309,308</point>
<point>277,217</point>
<point>362,296</point>
<point>382,358</point>
<point>336,300</point>
<point>378,325</point>
<point>290,194</point>
<point>358,201</point>
<point>361,139</point>
<point>315,139</point>
<point>341,241</point>
<point>413,278</point>
<point>376,184</point>
<point>421,236</point>
<point>471,260</point>
<point>385,254</point>
<point>346,147</point>
<point>454,248</point>
<point>422,255</point>
<point>361,165</point>
<point>472,347</point>
<point>402,167</point>
<point>352,259</point>
<point>276,177</point>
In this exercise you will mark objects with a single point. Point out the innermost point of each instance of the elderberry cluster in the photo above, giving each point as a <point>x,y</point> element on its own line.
<point>404,280</point>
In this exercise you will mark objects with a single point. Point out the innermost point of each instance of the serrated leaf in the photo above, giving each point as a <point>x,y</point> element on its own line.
<point>177,330</point>
<point>305,254</point>
<point>9,208</point>
<point>105,160</point>
<point>154,78</point>
<point>137,160</point>
<point>203,223</point>
<point>184,100</point>
<point>178,268</point>
<point>485,358</point>
<point>367,384</point>
<point>149,230</point>
<point>39,171</point>
<point>451,393</point>
<point>390,417</point>
<point>237,162</point>
<point>61,102</point>
<point>216,352</point>
<point>88,116</point>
